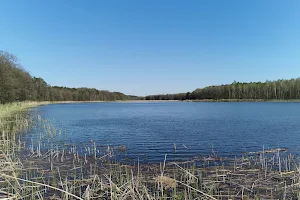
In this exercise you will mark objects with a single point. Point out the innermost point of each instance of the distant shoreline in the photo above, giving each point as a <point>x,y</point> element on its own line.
<point>41,103</point>
<point>214,100</point>
<point>196,100</point>
<point>243,100</point>
<point>117,101</point>
<point>146,101</point>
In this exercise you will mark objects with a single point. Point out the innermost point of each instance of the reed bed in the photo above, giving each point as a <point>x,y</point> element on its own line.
<point>44,170</point>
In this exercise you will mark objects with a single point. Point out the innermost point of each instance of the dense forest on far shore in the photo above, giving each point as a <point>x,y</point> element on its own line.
<point>269,90</point>
<point>18,85</point>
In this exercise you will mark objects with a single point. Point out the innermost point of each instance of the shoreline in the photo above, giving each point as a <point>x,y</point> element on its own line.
<point>146,101</point>
<point>243,100</point>
<point>9,108</point>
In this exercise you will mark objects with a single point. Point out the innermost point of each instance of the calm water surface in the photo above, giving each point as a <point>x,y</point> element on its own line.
<point>150,130</point>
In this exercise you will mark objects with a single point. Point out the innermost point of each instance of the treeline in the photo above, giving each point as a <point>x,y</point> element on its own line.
<point>178,96</point>
<point>18,85</point>
<point>269,90</point>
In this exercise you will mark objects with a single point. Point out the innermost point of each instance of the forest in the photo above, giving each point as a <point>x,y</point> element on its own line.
<point>178,97</point>
<point>16,84</point>
<point>269,90</point>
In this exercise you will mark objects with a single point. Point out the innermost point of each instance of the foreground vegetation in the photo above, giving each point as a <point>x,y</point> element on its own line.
<point>28,171</point>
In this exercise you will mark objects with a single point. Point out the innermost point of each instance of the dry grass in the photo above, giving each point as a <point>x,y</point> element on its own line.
<point>166,181</point>
<point>7,110</point>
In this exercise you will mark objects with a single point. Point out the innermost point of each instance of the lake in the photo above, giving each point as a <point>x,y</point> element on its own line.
<point>149,130</point>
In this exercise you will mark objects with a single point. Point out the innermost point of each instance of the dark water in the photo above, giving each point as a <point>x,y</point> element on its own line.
<point>149,130</point>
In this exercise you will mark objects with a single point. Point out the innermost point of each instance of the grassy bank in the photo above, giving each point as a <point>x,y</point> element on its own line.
<point>6,110</point>
<point>13,120</point>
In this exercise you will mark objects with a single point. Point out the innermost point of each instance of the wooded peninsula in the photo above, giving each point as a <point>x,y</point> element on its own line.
<point>16,84</point>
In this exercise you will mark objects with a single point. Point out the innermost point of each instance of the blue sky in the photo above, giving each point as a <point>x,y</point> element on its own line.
<point>150,47</point>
